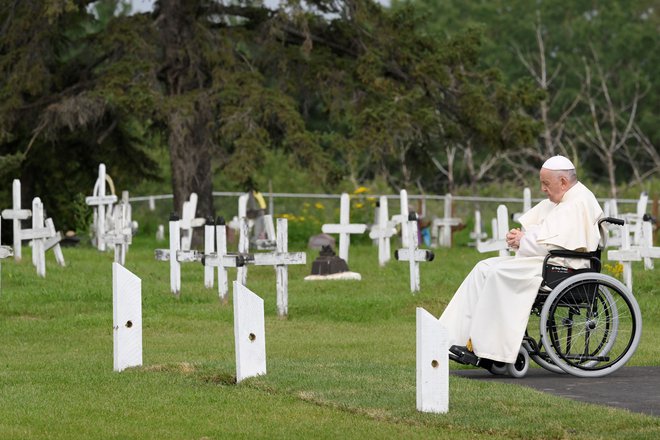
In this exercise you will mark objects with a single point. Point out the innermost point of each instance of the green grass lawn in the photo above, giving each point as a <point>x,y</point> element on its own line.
<point>341,366</point>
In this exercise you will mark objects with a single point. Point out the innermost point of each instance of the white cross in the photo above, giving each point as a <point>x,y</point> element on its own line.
<point>382,231</point>
<point>477,234</point>
<point>44,237</point>
<point>500,229</point>
<point>610,209</point>
<point>189,221</point>
<point>413,255</point>
<point>527,204</point>
<point>441,227</point>
<point>100,201</point>
<point>16,214</point>
<point>121,234</point>
<point>280,259</point>
<point>402,217</point>
<point>344,228</point>
<point>627,253</point>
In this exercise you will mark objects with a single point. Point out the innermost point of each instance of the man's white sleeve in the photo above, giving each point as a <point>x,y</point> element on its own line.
<point>529,247</point>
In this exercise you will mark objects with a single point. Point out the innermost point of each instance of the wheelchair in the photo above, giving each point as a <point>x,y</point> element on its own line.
<point>583,322</point>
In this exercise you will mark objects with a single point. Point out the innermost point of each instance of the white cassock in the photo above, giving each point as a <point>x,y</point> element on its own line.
<point>492,306</point>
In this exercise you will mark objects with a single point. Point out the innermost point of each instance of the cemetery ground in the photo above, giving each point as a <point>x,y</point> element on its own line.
<point>342,365</point>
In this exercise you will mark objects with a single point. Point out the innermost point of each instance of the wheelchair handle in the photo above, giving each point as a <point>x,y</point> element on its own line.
<point>616,221</point>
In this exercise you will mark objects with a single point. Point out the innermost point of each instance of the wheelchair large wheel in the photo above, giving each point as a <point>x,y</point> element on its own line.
<point>590,325</point>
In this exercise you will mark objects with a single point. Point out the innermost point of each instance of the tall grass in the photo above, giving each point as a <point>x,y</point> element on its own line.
<point>342,365</point>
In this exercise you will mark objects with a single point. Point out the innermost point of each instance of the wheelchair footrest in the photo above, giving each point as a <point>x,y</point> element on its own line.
<point>464,356</point>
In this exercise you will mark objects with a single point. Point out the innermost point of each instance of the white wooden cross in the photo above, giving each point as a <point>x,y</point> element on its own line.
<point>189,221</point>
<point>432,364</point>
<point>500,229</point>
<point>5,251</point>
<point>100,201</point>
<point>126,318</point>
<point>477,234</point>
<point>413,255</point>
<point>441,227</point>
<point>627,253</point>
<point>16,214</point>
<point>610,209</point>
<point>44,237</point>
<point>121,234</point>
<point>527,204</point>
<point>249,333</point>
<point>402,217</point>
<point>344,228</point>
<point>383,231</point>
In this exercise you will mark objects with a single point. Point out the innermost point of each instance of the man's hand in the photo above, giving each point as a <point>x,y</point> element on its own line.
<point>513,238</point>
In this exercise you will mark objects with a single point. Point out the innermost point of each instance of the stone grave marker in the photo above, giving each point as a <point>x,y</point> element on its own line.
<point>16,214</point>
<point>101,204</point>
<point>383,231</point>
<point>412,254</point>
<point>126,318</point>
<point>441,227</point>
<point>500,229</point>
<point>249,333</point>
<point>432,364</point>
<point>344,228</point>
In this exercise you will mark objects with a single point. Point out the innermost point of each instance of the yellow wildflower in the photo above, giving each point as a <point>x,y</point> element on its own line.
<point>319,205</point>
<point>361,190</point>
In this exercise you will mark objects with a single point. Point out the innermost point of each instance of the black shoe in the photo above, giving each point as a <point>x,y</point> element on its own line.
<point>462,355</point>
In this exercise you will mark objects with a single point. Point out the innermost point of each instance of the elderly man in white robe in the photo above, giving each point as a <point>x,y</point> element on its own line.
<point>488,314</point>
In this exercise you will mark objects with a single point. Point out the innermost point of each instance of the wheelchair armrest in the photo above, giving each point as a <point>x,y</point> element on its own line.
<point>564,253</point>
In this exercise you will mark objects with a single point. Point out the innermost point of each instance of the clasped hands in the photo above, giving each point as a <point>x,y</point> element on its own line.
<point>513,238</point>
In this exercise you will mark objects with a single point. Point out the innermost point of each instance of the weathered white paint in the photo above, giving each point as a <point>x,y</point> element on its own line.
<point>99,201</point>
<point>126,318</point>
<point>441,227</point>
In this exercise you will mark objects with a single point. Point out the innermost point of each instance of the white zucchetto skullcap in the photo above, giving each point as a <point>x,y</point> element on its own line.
<point>558,163</point>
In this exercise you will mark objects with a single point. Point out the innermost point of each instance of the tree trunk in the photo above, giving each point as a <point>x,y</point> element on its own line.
<point>188,116</point>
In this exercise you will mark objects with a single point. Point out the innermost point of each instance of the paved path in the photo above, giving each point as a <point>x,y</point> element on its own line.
<point>634,388</point>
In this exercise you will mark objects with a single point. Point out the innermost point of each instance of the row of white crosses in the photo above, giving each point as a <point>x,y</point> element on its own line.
<point>43,234</point>
<point>217,256</point>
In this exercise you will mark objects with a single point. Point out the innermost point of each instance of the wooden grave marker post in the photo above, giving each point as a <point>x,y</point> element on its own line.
<point>44,237</point>
<point>344,228</point>
<point>126,318</point>
<point>249,333</point>
<point>432,364</point>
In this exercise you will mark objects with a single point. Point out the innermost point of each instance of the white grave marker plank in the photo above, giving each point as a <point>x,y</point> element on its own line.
<point>249,333</point>
<point>175,267</point>
<point>126,318</point>
<point>432,364</point>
